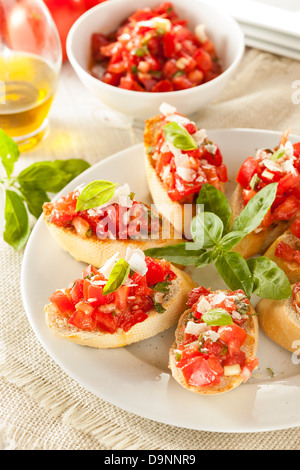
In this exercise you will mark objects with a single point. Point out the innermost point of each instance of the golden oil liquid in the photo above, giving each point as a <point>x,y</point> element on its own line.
<point>27,87</point>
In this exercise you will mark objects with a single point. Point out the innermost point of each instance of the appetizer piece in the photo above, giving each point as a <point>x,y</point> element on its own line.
<point>285,251</point>
<point>216,342</point>
<point>280,165</point>
<point>179,159</point>
<point>94,222</point>
<point>154,51</point>
<point>280,319</point>
<point>127,300</point>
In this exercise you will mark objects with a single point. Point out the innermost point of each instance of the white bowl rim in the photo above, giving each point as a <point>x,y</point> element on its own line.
<point>166,94</point>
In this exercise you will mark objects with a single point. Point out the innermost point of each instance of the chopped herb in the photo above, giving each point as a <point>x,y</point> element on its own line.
<point>178,73</point>
<point>270,371</point>
<point>158,307</point>
<point>163,287</point>
<point>254,181</point>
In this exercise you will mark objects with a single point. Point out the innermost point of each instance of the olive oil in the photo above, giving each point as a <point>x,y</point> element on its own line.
<point>27,87</point>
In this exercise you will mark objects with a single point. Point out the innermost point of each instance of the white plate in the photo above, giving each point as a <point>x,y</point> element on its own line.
<point>136,378</point>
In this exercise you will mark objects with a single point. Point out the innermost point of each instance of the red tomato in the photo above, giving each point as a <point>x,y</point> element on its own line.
<point>83,320</point>
<point>295,228</point>
<point>96,297</point>
<point>286,253</point>
<point>76,292</point>
<point>195,294</point>
<point>247,171</point>
<point>65,13</point>
<point>233,335</point>
<point>198,372</point>
<point>62,301</point>
<point>106,321</point>
<point>81,226</point>
<point>158,270</point>
<point>288,209</point>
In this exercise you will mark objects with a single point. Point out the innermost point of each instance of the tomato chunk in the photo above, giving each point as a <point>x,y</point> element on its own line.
<point>248,169</point>
<point>62,302</point>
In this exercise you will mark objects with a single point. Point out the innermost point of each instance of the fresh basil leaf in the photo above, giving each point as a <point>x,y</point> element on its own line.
<point>72,167</point>
<point>44,176</point>
<point>179,136</point>
<point>230,240</point>
<point>277,155</point>
<point>94,194</point>
<point>217,317</point>
<point>35,199</point>
<point>270,282</point>
<point>182,253</point>
<point>9,152</point>
<point>163,287</point>
<point>213,200</point>
<point>17,228</point>
<point>158,307</point>
<point>206,258</point>
<point>207,229</point>
<point>255,210</point>
<point>234,270</point>
<point>118,276</point>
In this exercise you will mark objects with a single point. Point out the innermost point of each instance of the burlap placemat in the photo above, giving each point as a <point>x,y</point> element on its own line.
<point>40,406</point>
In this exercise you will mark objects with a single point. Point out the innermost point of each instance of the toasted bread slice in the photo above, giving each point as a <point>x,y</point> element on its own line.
<point>179,215</point>
<point>174,305</point>
<point>258,241</point>
<point>95,251</point>
<point>280,321</point>
<point>227,383</point>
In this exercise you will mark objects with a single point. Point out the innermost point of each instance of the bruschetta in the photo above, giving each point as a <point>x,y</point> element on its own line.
<point>285,251</point>
<point>150,299</point>
<point>280,320</point>
<point>215,342</point>
<point>279,165</point>
<point>93,235</point>
<point>179,159</point>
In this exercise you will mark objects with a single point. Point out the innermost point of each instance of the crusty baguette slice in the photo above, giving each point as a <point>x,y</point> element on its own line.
<point>179,215</point>
<point>291,269</point>
<point>259,240</point>
<point>94,251</point>
<point>227,383</point>
<point>156,322</point>
<point>279,320</point>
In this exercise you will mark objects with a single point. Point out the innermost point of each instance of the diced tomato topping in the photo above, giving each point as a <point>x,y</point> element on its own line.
<point>202,358</point>
<point>151,57</point>
<point>248,169</point>
<point>288,209</point>
<point>199,373</point>
<point>62,302</point>
<point>287,253</point>
<point>295,227</point>
<point>87,308</point>
<point>81,226</point>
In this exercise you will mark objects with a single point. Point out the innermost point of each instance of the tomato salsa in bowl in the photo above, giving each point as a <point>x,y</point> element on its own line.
<point>154,51</point>
<point>179,52</point>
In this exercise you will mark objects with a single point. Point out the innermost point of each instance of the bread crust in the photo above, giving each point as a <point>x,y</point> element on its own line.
<point>227,383</point>
<point>179,215</point>
<point>279,320</point>
<point>291,269</point>
<point>154,324</point>
<point>94,251</point>
<point>258,241</point>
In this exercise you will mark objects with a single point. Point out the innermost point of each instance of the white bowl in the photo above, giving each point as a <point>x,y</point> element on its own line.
<point>106,17</point>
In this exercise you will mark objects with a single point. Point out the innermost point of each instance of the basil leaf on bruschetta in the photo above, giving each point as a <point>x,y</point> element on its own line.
<point>95,194</point>
<point>118,276</point>
<point>179,136</point>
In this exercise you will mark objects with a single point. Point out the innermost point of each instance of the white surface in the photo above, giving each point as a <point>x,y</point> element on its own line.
<point>223,30</point>
<point>136,378</point>
<point>270,25</point>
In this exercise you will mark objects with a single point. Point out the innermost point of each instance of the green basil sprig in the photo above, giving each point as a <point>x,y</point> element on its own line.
<point>179,136</point>
<point>94,194</point>
<point>26,193</point>
<point>214,240</point>
<point>117,277</point>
